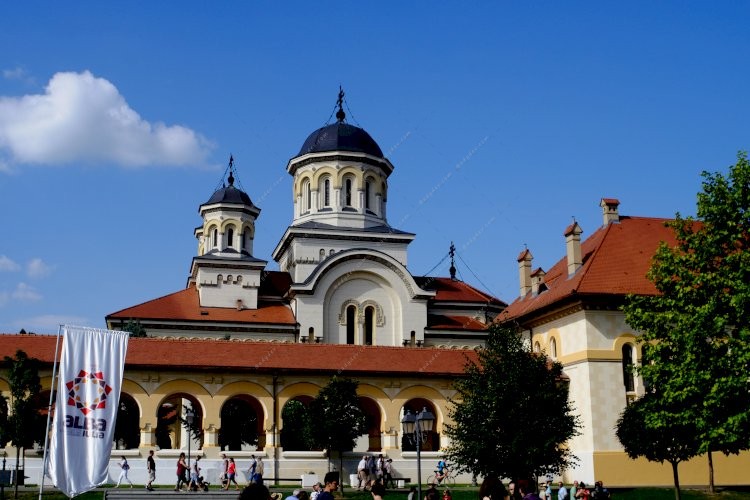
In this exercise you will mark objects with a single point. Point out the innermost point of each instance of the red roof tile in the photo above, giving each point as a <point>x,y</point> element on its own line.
<point>441,322</point>
<point>616,259</point>
<point>184,306</point>
<point>449,290</point>
<point>222,355</point>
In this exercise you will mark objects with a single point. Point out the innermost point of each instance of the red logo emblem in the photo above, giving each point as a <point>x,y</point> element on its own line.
<point>88,391</point>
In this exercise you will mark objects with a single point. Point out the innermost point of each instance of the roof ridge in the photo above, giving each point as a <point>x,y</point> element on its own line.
<point>594,254</point>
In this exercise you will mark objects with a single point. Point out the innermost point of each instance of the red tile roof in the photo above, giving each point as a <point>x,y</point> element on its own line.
<point>441,322</point>
<point>449,290</point>
<point>184,306</point>
<point>222,355</point>
<point>616,259</point>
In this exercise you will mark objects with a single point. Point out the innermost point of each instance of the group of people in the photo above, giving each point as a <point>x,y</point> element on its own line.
<point>493,489</point>
<point>371,469</point>
<point>258,491</point>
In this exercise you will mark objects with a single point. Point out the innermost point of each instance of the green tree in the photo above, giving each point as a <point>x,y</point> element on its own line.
<point>336,420</point>
<point>499,428</point>
<point>24,422</point>
<point>696,326</point>
<point>4,436</point>
<point>238,424</point>
<point>644,434</point>
<point>296,433</point>
<point>135,328</point>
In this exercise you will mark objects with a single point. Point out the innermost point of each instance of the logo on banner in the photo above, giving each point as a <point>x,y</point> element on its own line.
<point>87,392</point>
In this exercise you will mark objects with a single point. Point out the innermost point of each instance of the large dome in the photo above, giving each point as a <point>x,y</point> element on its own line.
<point>341,137</point>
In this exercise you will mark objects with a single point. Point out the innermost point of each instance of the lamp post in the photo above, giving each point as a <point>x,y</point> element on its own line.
<point>189,416</point>
<point>416,429</point>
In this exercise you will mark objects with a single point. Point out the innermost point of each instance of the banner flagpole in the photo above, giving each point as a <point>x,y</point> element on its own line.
<point>49,411</point>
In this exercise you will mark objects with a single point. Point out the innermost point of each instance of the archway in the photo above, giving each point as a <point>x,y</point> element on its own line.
<point>295,424</point>
<point>127,425</point>
<point>241,424</point>
<point>432,442</point>
<point>373,419</point>
<point>171,427</point>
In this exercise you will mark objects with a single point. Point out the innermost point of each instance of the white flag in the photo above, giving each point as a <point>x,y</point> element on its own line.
<point>90,380</point>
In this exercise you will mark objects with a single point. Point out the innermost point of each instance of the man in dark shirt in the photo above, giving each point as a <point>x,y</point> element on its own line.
<point>151,469</point>
<point>331,481</point>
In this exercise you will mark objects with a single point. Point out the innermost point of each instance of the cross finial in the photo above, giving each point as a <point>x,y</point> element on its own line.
<point>452,253</point>
<point>340,115</point>
<point>231,168</point>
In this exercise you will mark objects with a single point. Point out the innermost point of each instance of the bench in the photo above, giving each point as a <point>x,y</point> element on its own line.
<point>277,480</point>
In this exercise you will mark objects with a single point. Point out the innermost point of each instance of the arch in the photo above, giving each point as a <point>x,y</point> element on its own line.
<point>170,428</point>
<point>351,324</point>
<point>368,195</point>
<point>324,190</point>
<point>553,348</point>
<point>628,365</point>
<point>229,236</point>
<point>323,171</point>
<point>306,194</point>
<point>369,325</point>
<point>379,315</point>
<point>373,422</point>
<point>537,347</point>
<point>294,423</point>
<point>348,191</point>
<point>127,425</point>
<point>241,427</point>
<point>432,441</point>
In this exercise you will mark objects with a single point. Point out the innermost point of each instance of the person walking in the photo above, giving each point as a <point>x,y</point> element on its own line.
<point>562,492</point>
<point>181,472</point>
<point>124,468</point>
<point>231,473</point>
<point>150,470</point>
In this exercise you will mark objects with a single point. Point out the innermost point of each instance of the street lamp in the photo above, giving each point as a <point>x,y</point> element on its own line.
<point>416,429</point>
<point>189,416</point>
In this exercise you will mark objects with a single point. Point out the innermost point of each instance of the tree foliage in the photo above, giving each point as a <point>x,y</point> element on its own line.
<point>511,414</point>
<point>239,425</point>
<point>697,326</point>
<point>25,424</point>
<point>336,420</point>
<point>644,434</point>
<point>296,433</point>
<point>135,328</point>
<point>4,436</point>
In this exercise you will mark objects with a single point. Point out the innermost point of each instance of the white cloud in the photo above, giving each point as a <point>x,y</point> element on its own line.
<point>26,293</point>
<point>82,118</point>
<point>48,323</point>
<point>36,268</point>
<point>18,73</point>
<point>6,264</point>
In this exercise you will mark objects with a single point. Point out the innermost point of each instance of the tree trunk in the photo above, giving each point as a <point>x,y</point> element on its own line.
<point>341,471</point>
<point>676,477</point>
<point>711,485</point>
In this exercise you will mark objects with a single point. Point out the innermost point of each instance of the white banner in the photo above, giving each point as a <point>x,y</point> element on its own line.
<point>88,393</point>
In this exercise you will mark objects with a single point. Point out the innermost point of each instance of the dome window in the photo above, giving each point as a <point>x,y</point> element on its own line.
<point>327,192</point>
<point>348,192</point>
<point>368,194</point>
<point>230,237</point>
<point>215,238</point>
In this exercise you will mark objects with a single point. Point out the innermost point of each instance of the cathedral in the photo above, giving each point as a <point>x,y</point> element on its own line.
<point>243,347</point>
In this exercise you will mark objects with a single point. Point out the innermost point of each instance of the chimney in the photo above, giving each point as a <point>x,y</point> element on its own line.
<point>573,247</point>
<point>537,280</point>
<point>524,271</point>
<point>609,210</point>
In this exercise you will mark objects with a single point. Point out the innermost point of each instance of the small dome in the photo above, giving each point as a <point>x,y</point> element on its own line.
<point>230,194</point>
<point>341,137</point>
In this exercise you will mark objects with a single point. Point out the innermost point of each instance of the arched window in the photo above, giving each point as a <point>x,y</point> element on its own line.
<point>306,200</point>
<point>327,192</point>
<point>628,377</point>
<point>369,324</point>
<point>553,348</point>
<point>230,237</point>
<point>368,193</point>
<point>537,347</point>
<point>322,254</point>
<point>351,325</point>
<point>348,192</point>
<point>215,238</point>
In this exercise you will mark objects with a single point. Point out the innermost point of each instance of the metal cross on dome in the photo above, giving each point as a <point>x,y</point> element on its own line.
<point>340,115</point>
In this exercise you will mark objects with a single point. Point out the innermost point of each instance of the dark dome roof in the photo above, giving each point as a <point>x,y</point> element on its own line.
<point>230,194</point>
<point>341,136</point>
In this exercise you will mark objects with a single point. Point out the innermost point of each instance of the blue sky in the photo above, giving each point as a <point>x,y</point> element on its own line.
<point>503,120</point>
